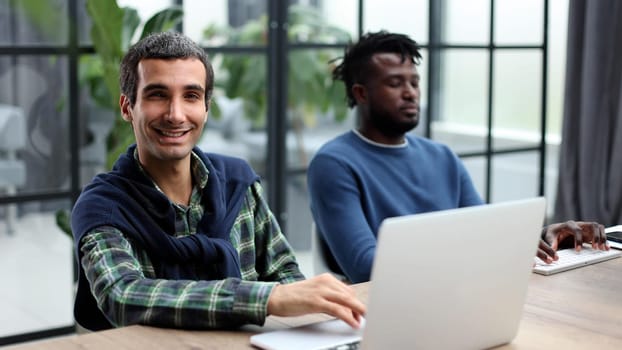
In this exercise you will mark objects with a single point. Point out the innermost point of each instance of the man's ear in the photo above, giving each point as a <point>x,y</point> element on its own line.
<point>126,109</point>
<point>359,92</point>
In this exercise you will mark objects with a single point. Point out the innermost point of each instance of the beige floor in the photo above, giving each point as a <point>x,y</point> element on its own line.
<point>36,272</point>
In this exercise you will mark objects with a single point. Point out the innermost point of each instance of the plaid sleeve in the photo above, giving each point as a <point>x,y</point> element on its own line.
<point>275,260</point>
<point>127,296</point>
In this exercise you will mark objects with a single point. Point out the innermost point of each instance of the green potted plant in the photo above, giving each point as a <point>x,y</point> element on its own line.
<point>311,89</point>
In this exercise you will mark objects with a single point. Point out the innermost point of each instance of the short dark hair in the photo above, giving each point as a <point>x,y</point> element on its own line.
<point>164,45</point>
<point>354,65</point>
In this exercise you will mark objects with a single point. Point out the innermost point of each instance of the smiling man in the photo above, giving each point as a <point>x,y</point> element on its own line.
<point>175,237</point>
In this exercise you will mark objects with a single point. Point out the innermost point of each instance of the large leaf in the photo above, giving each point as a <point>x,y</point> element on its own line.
<point>123,136</point>
<point>110,23</point>
<point>163,20</point>
<point>131,21</point>
<point>90,75</point>
<point>108,20</point>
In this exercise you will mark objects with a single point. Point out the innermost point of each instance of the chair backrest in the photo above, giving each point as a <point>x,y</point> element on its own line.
<point>322,259</point>
<point>12,128</point>
<point>12,139</point>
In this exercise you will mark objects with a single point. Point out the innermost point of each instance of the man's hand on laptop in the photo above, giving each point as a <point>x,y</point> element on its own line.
<point>573,234</point>
<point>320,294</point>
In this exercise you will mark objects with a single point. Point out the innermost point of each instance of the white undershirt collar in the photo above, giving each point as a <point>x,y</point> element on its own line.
<point>377,144</point>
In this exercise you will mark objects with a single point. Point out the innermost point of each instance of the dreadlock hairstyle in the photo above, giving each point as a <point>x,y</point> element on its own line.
<point>354,66</point>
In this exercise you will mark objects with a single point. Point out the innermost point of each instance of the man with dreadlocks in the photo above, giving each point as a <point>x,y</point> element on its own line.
<point>379,170</point>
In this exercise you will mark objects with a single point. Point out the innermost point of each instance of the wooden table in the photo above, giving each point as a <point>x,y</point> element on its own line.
<point>577,309</point>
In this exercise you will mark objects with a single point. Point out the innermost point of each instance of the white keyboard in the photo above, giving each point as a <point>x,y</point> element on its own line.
<point>571,259</point>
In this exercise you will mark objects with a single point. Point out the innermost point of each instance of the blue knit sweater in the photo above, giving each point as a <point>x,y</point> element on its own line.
<point>354,184</point>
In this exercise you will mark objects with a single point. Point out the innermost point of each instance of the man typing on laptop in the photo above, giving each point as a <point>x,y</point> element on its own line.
<point>380,170</point>
<point>176,237</point>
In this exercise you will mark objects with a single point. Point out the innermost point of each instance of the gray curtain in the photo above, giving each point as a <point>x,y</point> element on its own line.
<point>590,168</point>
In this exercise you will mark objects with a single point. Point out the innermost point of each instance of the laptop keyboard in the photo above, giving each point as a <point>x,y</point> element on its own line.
<point>570,259</point>
<point>355,345</point>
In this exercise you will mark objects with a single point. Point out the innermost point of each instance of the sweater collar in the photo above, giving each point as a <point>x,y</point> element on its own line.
<point>378,144</point>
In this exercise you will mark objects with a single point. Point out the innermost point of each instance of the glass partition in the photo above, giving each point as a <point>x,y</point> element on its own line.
<point>410,17</point>
<point>34,23</point>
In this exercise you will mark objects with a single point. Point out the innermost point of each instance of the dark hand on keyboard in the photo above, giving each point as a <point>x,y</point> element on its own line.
<point>572,234</point>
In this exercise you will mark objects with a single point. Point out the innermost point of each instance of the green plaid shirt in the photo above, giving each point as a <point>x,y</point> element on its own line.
<point>127,290</point>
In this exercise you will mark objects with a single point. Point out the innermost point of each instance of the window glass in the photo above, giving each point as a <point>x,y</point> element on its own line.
<point>145,9</point>
<point>34,22</point>
<point>299,219</point>
<point>476,167</point>
<point>466,22</point>
<point>36,265</point>
<point>517,95</point>
<point>237,120</point>
<point>97,123</point>
<point>318,112</point>
<point>402,16</point>
<point>519,22</point>
<point>84,24</point>
<point>223,23</point>
<point>463,113</point>
<point>515,176</point>
<point>558,27</point>
<point>317,107</point>
<point>34,122</point>
<point>6,20</point>
<point>422,69</point>
<point>342,14</point>
<point>311,24</point>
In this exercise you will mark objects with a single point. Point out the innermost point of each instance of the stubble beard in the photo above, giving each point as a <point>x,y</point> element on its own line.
<point>388,125</point>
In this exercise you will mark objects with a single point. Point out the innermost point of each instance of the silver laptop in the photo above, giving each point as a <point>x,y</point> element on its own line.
<point>443,280</point>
